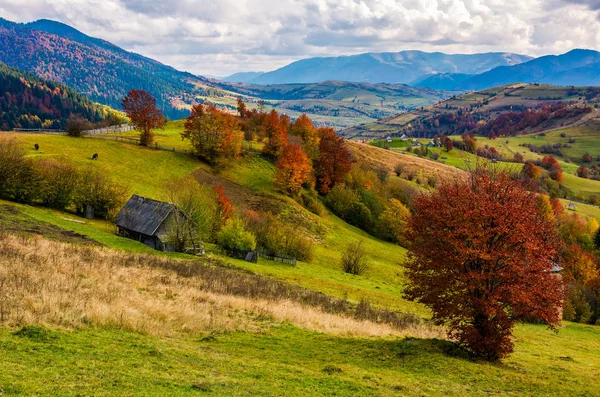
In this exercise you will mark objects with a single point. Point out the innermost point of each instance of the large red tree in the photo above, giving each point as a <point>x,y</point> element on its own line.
<point>140,107</point>
<point>334,162</point>
<point>481,255</point>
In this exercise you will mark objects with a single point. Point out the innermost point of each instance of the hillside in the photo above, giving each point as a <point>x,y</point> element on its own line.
<point>30,102</point>
<point>95,68</point>
<point>576,67</point>
<point>462,113</point>
<point>105,73</point>
<point>402,67</point>
<point>112,315</point>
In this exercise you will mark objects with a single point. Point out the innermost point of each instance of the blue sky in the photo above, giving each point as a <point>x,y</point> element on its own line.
<point>222,37</point>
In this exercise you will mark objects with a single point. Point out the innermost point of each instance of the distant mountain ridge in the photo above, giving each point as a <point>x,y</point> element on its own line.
<point>403,67</point>
<point>577,67</point>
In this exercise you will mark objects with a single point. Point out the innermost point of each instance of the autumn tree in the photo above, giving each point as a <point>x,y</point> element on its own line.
<point>334,162</point>
<point>276,132</point>
<point>76,125</point>
<point>448,145</point>
<point>241,108</point>
<point>392,222</point>
<point>583,172</point>
<point>481,255</point>
<point>305,130</point>
<point>140,108</point>
<point>196,215</point>
<point>531,170</point>
<point>518,157</point>
<point>293,169</point>
<point>586,158</point>
<point>214,134</point>
<point>226,208</point>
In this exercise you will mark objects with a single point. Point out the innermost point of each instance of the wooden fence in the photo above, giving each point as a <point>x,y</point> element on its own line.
<point>290,260</point>
<point>136,141</point>
<point>40,130</point>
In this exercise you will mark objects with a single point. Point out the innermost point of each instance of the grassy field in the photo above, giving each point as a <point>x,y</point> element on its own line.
<point>268,348</point>
<point>381,285</point>
<point>580,187</point>
<point>286,360</point>
<point>145,171</point>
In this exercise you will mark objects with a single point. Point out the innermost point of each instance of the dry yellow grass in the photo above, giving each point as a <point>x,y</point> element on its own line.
<point>378,157</point>
<point>46,282</point>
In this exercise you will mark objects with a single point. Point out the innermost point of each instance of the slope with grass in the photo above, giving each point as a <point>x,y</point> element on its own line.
<point>249,183</point>
<point>124,324</point>
<point>163,324</point>
<point>486,105</point>
<point>456,160</point>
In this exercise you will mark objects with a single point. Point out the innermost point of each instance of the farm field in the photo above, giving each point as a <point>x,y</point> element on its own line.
<point>581,187</point>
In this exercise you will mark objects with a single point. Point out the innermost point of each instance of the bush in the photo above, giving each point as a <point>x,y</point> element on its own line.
<point>19,180</point>
<point>432,181</point>
<point>278,238</point>
<point>354,258</point>
<point>76,125</point>
<point>234,236</point>
<point>398,169</point>
<point>434,156</point>
<point>96,189</point>
<point>60,183</point>
<point>310,200</point>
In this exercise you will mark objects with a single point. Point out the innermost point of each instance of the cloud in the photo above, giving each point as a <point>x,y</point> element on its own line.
<point>224,36</point>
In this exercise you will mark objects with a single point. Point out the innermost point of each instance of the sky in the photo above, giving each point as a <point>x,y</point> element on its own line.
<point>221,37</point>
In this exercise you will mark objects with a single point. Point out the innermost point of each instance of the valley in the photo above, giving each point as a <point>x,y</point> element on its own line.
<point>388,222</point>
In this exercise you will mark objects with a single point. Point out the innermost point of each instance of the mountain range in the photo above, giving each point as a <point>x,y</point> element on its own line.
<point>577,67</point>
<point>439,71</point>
<point>403,67</point>
<point>94,67</point>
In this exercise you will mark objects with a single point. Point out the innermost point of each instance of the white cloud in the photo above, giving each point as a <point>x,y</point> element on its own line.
<point>222,37</point>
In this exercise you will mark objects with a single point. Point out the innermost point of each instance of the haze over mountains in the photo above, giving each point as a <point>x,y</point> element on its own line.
<point>403,67</point>
<point>439,71</point>
<point>337,91</point>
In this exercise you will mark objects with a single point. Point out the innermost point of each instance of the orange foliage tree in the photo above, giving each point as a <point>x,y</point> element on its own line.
<point>140,108</point>
<point>225,206</point>
<point>276,129</point>
<point>305,130</point>
<point>579,265</point>
<point>334,162</point>
<point>481,254</point>
<point>531,170</point>
<point>214,134</point>
<point>293,169</point>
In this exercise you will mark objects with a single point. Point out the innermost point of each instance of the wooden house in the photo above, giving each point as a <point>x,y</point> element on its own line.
<point>146,221</point>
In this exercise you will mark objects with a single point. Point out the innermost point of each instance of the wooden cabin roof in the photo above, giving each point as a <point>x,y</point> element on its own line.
<point>143,215</point>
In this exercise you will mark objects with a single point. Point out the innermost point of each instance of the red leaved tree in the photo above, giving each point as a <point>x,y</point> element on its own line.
<point>225,206</point>
<point>276,131</point>
<point>293,169</point>
<point>140,108</point>
<point>334,162</point>
<point>481,254</point>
